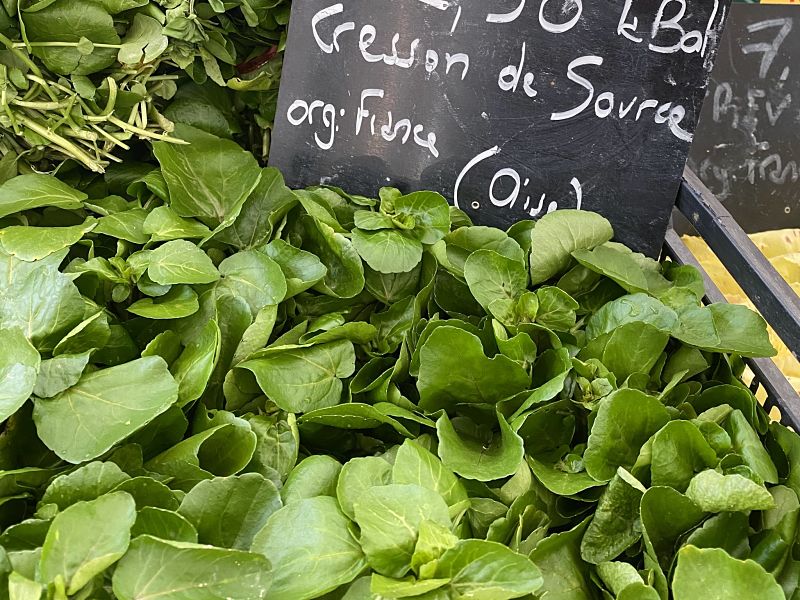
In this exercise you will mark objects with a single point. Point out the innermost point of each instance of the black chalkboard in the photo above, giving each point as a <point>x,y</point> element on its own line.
<point>510,108</point>
<point>747,145</point>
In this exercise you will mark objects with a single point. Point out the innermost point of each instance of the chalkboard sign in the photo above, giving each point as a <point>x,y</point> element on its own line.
<point>747,145</point>
<point>510,108</point>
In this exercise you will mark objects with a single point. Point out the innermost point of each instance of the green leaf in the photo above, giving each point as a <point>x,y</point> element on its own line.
<point>305,379</point>
<point>701,571</point>
<point>725,328</point>
<point>314,476</point>
<point>70,554</point>
<point>181,301</point>
<point>229,511</point>
<point>477,452</point>
<point>302,270</point>
<point>413,464</point>
<point>714,492</point>
<point>222,450</point>
<point>87,483</point>
<point>253,276</point>
<point>144,41</point>
<point>618,266</point>
<point>36,298</point>
<point>261,213</point>
<point>616,524</point>
<point>629,349</point>
<point>430,212</point>
<point>556,309</point>
<point>19,367</point>
<point>559,234</point>
<point>488,571</point>
<point>127,225</point>
<point>666,516</point>
<point>636,308</point>
<point>678,453</point>
<point>748,445</point>
<point>26,192</point>
<point>181,261</point>
<point>163,524</point>
<point>353,416</point>
<point>389,543</point>
<point>163,225</point>
<point>209,178</point>
<point>196,572</point>
<point>447,378</point>
<point>624,422</point>
<point>64,21</point>
<point>60,373</point>
<point>357,476</point>
<point>193,368</point>
<point>495,281</point>
<point>565,574</point>
<point>149,493</point>
<point>36,243</point>
<point>345,271</point>
<point>288,548</point>
<point>104,408</point>
<point>387,251</point>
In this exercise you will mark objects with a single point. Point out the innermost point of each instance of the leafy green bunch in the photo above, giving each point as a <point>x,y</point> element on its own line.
<point>216,387</point>
<point>82,80</point>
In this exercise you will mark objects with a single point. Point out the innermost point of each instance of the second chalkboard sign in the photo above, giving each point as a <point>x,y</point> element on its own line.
<point>510,108</point>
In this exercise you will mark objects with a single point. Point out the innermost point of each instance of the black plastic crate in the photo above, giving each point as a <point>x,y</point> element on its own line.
<point>772,296</point>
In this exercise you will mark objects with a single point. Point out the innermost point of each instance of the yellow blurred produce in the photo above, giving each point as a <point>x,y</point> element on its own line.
<point>782,248</point>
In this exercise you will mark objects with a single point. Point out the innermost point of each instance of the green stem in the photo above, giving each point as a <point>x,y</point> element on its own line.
<point>68,147</point>
<point>62,45</point>
<point>143,132</point>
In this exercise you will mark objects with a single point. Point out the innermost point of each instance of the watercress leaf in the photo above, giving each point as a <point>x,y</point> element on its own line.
<point>314,476</point>
<point>288,548</point>
<point>447,378</point>
<point>253,276</point>
<point>19,368</point>
<point>229,511</point>
<point>387,251</point>
<point>430,212</point>
<point>68,23</point>
<point>495,281</point>
<point>164,524</point>
<point>193,368</point>
<point>179,302</point>
<point>263,210</point>
<point>164,225</point>
<point>87,483</point>
<point>556,309</point>
<point>413,464</point>
<point>36,298</point>
<point>386,587</point>
<point>627,350</point>
<point>618,266</point>
<point>104,408</point>
<point>144,40</point>
<point>197,572</point>
<point>701,570</point>
<point>666,516</point>
<point>713,492</point>
<point>357,476</point>
<point>478,452</point>
<point>638,308</point>
<point>678,453</point>
<point>353,416</point>
<point>748,445</point>
<point>565,575</point>
<point>725,328</point>
<point>345,271</point>
<point>559,234</point>
<point>616,524</point>
<point>625,421</point>
<point>70,554</point>
<point>148,492</point>
<point>301,269</point>
<point>222,450</point>
<point>389,543</point>
<point>127,225</point>
<point>60,373</point>
<point>209,178</point>
<point>36,243</point>
<point>462,242</point>
<point>26,192</point>
<point>180,261</point>
<point>488,571</point>
<point>305,379</point>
